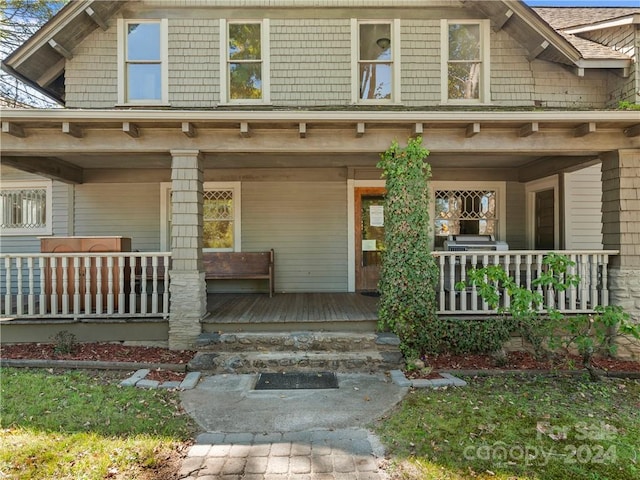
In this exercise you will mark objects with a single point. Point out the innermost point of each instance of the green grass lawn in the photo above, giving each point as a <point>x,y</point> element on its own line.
<point>518,428</point>
<point>76,425</point>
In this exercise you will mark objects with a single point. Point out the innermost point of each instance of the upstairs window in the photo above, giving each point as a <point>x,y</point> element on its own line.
<point>465,69</point>
<point>245,68</point>
<point>142,71</point>
<point>376,61</point>
<point>25,209</point>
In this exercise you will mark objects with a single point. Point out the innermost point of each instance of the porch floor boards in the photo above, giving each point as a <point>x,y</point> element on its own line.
<point>255,308</point>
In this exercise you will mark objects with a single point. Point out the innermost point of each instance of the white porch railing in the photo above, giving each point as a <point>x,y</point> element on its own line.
<point>524,266</point>
<point>84,284</point>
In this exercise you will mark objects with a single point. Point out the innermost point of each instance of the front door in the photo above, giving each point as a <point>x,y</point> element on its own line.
<point>545,220</point>
<point>369,236</point>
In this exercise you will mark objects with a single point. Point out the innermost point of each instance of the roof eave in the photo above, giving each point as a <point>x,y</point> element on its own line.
<point>536,22</point>
<point>633,19</point>
<point>32,84</point>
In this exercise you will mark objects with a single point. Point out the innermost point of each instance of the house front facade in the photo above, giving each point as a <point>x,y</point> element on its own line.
<point>194,127</point>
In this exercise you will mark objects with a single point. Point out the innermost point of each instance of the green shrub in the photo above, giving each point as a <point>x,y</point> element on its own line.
<point>460,336</point>
<point>545,328</point>
<point>409,272</point>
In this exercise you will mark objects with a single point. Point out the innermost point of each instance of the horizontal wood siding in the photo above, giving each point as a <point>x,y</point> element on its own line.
<point>127,210</point>
<point>516,216</point>
<point>306,224</point>
<point>583,209</point>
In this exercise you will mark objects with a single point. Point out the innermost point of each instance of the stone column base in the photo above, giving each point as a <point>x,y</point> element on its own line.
<point>188,307</point>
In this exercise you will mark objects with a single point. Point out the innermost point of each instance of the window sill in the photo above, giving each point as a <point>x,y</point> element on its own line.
<point>142,105</point>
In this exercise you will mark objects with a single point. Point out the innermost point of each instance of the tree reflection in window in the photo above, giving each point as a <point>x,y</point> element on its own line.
<point>218,219</point>
<point>465,62</point>
<point>245,61</point>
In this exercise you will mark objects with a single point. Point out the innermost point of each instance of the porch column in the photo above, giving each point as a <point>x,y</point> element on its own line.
<point>188,288</point>
<point>621,229</point>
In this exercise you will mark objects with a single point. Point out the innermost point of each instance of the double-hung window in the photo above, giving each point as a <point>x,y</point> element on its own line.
<point>376,61</point>
<point>25,208</point>
<point>142,65</point>
<point>244,61</point>
<point>465,61</point>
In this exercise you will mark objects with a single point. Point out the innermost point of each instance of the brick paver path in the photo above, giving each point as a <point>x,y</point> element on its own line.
<point>346,454</point>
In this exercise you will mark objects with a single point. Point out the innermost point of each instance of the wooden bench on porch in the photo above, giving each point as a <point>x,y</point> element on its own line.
<point>240,265</point>
<point>228,266</point>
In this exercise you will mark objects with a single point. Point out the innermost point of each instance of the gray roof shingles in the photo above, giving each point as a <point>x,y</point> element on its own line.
<point>563,18</point>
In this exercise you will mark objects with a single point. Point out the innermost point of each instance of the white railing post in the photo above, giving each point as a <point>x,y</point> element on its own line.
<point>593,278</point>
<point>121,285</point>
<point>88,308</point>
<point>19,300</point>
<point>133,269</point>
<point>43,296</point>
<point>65,284</point>
<point>54,284</point>
<point>463,280</point>
<point>441,261</point>
<point>76,285</point>
<point>99,296</point>
<point>31,298</point>
<point>451,280</point>
<point>7,286</point>
<point>165,286</point>
<point>154,291</point>
<point>474,288</point>
<point>604,287</point>
<point>110,297</point>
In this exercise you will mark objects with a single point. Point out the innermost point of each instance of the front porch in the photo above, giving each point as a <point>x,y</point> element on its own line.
<point>112,288</point>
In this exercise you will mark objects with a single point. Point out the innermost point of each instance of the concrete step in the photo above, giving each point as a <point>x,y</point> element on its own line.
<point>294,341</point>
<point>254,362</point>
<point>250,352</point>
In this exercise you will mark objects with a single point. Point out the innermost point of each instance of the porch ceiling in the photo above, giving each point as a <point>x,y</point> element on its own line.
<point>66,144</point>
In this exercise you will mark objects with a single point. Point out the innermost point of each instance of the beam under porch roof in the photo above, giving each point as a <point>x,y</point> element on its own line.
<point>49,167</point>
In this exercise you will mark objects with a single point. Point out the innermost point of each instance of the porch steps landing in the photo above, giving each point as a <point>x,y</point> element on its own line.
<point>249,352</point>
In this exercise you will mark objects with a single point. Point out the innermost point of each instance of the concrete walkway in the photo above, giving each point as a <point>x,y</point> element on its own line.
<point>287,434</point>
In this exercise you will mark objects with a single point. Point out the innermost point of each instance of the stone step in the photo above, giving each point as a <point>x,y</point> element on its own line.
<point>248,352</point>
<point>296,341</point>
<point>274,362</point>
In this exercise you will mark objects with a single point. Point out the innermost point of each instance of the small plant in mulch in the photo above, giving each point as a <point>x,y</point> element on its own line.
<point>64,342</point>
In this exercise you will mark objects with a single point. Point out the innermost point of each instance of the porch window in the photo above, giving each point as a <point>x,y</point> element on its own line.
<point>465,212</point>
<point>143,65</point>
<point>376,67</point>
<point>465,69</point>
<point>25,209</point>
<point>218,220</point>
<point>245,68</point>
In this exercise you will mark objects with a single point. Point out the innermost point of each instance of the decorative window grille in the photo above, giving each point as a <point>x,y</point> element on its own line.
<point>218,213</point>
<point>23,209</point>
<point>465,212</point>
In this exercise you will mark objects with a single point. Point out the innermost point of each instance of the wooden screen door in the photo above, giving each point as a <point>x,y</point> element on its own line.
<point>369,236</point>
<point>544,220</point>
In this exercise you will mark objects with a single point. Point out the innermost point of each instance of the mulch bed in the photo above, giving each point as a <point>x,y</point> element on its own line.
<point>517,361</point>
<point>106,352</point>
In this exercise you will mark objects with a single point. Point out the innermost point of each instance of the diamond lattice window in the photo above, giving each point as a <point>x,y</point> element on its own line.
<point>218,217</point>
<point>459,212</point>
<point>24,209</point>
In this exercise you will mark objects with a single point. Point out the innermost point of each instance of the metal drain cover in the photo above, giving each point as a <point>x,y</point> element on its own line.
<point>296,381</point>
